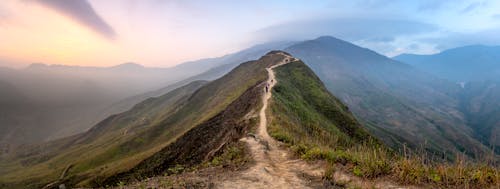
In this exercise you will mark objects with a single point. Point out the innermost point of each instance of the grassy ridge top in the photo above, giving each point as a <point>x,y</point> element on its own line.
<point>122,141</point>
<point>303,110</point>
<point>317,126</point>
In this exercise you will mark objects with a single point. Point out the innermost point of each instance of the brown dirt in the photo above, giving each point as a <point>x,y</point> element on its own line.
<point>274,166</point>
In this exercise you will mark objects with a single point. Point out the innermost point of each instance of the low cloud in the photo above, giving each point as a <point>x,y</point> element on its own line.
<point>82,12</point>
<point>381,35</point>
<point>454,39</point>
<point>352,29</point>
<point>473,6</point>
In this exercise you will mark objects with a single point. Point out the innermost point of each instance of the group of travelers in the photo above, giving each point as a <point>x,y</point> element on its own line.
<point>267,85</point>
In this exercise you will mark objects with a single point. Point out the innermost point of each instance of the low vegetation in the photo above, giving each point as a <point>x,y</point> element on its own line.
<point>121,142</point>
<point>300,120</point>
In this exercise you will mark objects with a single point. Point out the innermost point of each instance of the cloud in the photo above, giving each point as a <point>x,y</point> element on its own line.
<point>353,29</point>
<point>433,5</point>
<point>473,6</point>
<point>82,12</point>
<point>4,13</point>
<point>454,39</point>
<point>383,35</point>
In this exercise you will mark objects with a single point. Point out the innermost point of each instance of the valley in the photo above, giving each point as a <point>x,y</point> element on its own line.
<point>360,94</point>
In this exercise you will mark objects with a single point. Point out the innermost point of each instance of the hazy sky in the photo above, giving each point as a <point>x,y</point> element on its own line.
<point>167,32</point>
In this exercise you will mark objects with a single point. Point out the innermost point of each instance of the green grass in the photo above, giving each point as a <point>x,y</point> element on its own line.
<point>305,112</point>
<point>234,155</point>
<point>122,141</point>
<point>316,126</point>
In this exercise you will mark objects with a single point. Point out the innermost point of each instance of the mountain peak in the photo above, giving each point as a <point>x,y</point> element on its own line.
<point>36,65</point>
<point>127,66</point>
<point>331,46</point>
<point>326,38</point>
<point>274,52</point>
<point>466,63</point>
<point>472,49</point>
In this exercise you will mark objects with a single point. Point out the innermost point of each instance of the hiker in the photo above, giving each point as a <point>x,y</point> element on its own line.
<point>267,88</point>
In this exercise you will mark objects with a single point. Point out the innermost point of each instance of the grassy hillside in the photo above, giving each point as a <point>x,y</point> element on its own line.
<point>481,105</point>
<point>394,101</point>
<point>122,141</point>
<point>102,149</point>
<point>477,69</point>
<point>305,112</point>
<point>317,126</point>
<point>66,100</point>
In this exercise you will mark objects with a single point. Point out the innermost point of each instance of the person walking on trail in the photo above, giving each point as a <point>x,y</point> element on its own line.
<point>267,87</point>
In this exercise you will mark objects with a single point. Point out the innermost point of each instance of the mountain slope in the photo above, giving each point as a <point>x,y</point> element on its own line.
<point>13,105</point>
<point>121,141</point>
<point>396,102</point>
<point>66,100</point>
<point>187,126</point>
<point>206,69</point>
<point>477,69</point>
<point>251,53</point>
<point>303,111</point>
<point>481,104</point>
<point>106,143</point>
<point>462,64</point>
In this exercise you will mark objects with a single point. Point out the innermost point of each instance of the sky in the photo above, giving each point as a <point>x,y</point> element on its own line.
<point>163,33</point>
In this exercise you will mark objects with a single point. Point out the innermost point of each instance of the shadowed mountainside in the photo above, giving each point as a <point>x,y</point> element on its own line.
<point>396,102</point>
<point>121,141</point>
<point>476,69</point>
<point>62,100</point>
<point>461,64</point>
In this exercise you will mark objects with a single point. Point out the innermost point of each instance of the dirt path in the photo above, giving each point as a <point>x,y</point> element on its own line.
<point>274,168</point>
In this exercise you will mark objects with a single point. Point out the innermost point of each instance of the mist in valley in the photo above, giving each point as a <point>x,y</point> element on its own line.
<point>112,92</point>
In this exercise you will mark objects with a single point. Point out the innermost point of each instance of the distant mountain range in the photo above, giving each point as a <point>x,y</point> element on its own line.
<point>191,121</point>
<point>461,64</point>
<point>477,69</point>
<point>63,100</point>
<point>184,126</point>
<point>398,103</point>
<point>59,101</point>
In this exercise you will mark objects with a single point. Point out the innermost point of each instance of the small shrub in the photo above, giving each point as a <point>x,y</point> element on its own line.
<point>121,184</point>
<point>375,168</point>
<point>343,157</point>
<point>357,171</point>
<point>329,172</point>
<point>176,170</point>
<point>410,171</point>
<point>167,183</point>
<point>282,137</point>
<point>216,161</point>
<point>328,155</point>
<point>299,149</point>
<point>434,177</point>
<point>313,154</point>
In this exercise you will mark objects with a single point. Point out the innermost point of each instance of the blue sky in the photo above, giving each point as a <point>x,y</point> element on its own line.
<point>168,32</point>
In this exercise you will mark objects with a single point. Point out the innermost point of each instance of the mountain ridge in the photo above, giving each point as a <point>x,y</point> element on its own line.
<point>395,101</point>
<point>460,64</point>
<point>190,109</point>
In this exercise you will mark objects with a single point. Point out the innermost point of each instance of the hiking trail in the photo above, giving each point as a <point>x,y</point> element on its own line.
<point>274,167</point>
